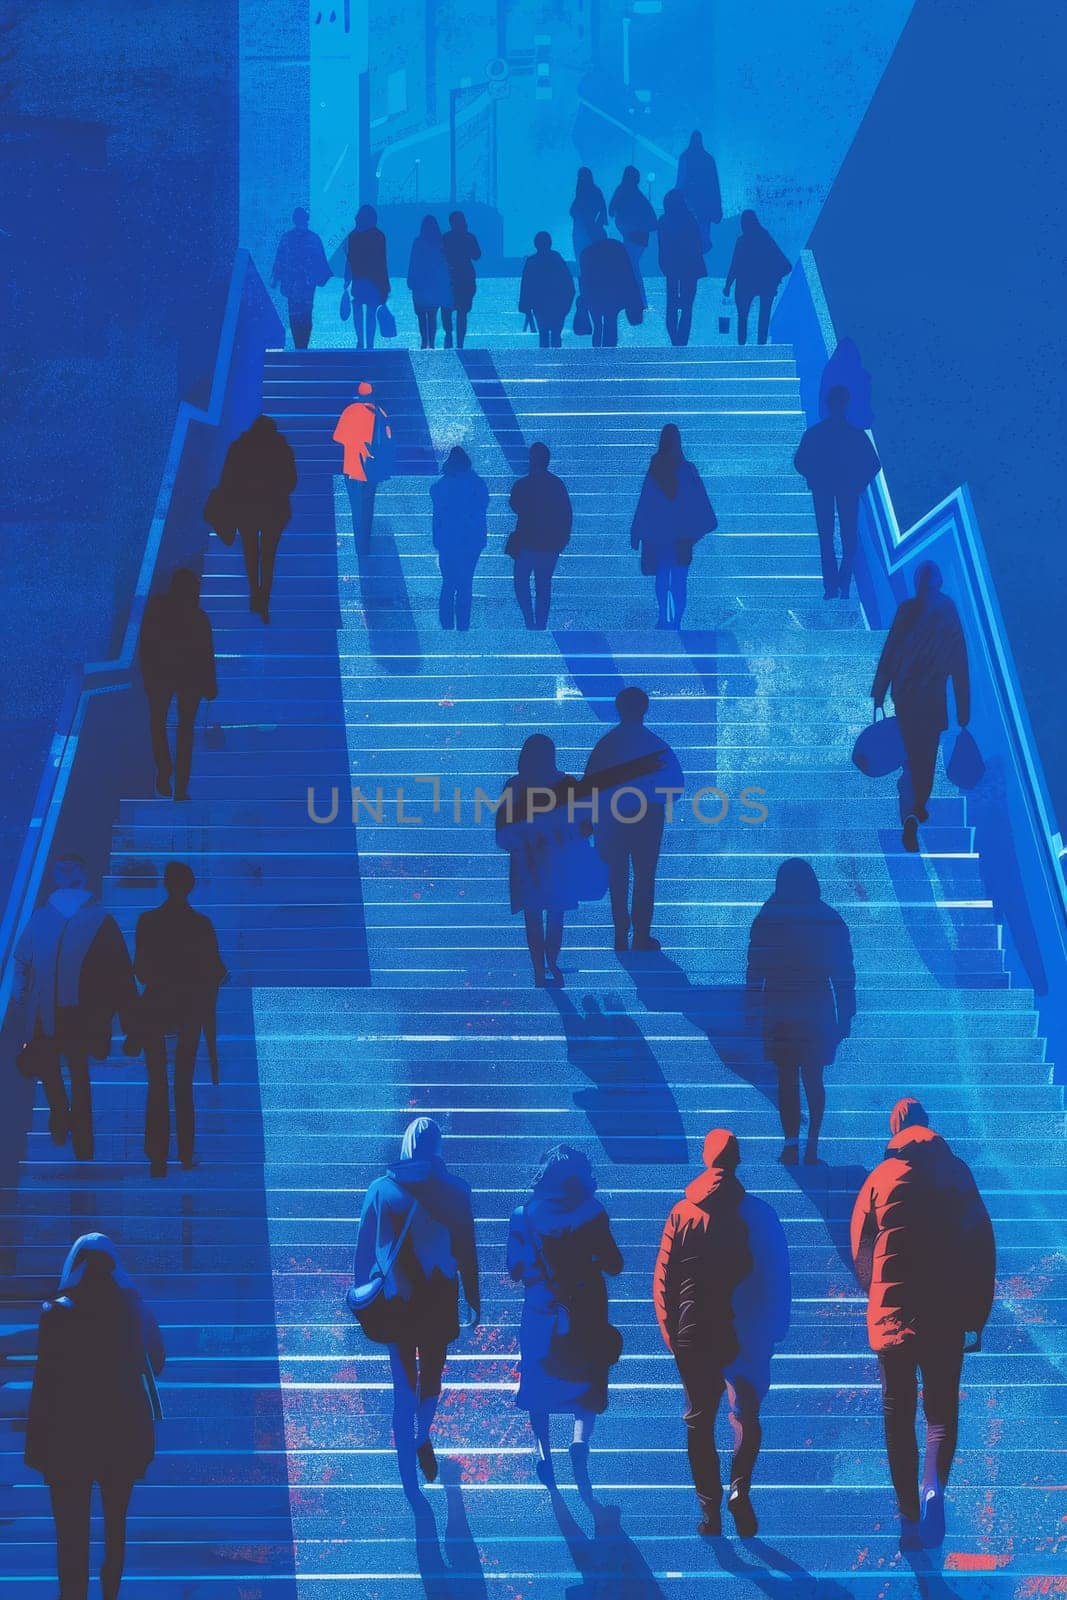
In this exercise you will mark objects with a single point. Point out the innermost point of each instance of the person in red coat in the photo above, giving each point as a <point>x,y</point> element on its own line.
<point>924,1252</point>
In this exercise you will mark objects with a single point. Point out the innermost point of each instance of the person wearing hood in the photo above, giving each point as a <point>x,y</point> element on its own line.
<point>673,514</point>
<point>546,291</point>
<point>681,261</point>
<point>72,975</point>
<point>258,476</point>
<point>420,1203</point>
<point>925,647</point>
<point>722,1296</point>
<point>366,275</point>
<point>93,1406</point>
<point>300,267</point>
<point>177,656</point>
<point>838,463</point>
<point>801,990</point>
<point>460,502</point>
<point>925,1256</point>
<point>560,1246</point>
<point>845,370</point>
<point>757,267</point>
<point>698,180</point>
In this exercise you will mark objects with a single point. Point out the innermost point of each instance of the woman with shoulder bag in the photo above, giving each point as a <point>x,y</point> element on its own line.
<point>560,1245</point>
<point>673,514</point>
<point>93,1406</point>
<point>414,1248</point>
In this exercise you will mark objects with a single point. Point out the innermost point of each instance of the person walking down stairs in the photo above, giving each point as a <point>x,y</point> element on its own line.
<point>673,514</point>
<point>177,656</point>
<point>925,1256</point>
<point>542,532</point>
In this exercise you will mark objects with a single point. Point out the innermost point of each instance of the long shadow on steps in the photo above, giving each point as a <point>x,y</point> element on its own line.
<point>497,408</point>
<point>777,1575</point>
<point>454,1572</point>
<point>610,1564</point>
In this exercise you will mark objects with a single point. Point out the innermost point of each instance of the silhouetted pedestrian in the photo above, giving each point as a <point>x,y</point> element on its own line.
<point>757,267</point>
<point>366,275</point>
<point>925,647</point>
<point>462,250</point>
<point>722,1296</point>
<point>546,291</point>
<point>258,476</point>
<point>698,180</point>
<point>629,820</point>
<point>845,370</point>
<point>607,286</point>
<point>589,214</point>
<point>72,976</point>
<point>635,219</point>
<point>429,280</point>
<point>176,957</point>
<point>460,502</point>
<point>681,260</point>
<point>300,267</point>
<point>552,864</point>
<point>366,436</point>
<point>673,514</point>
<point>925,1256</point>
<point>802,993</point>
<point>93,1406</point>
<point>838,462</point>
<point>542,532</point>
<point>416,1235</point>
<point>560,1246</point>
<point>177,655</point>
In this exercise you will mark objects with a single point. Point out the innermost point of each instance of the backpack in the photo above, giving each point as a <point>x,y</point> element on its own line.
<point>380,463</point>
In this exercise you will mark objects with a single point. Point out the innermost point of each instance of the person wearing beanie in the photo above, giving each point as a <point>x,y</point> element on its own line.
<point>722,1296</point>
<point>924,1251</point>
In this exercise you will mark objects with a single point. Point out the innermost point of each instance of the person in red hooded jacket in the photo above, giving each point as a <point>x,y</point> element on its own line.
<point>924,1251</point>
<point>721,1292</point>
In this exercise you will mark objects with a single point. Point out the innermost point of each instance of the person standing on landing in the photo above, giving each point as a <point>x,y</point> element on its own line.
<point>925,1256</point>
<point>366,275</point>
<point>300,267</point>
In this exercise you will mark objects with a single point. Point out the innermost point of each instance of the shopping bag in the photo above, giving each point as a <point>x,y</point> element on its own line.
<point>583,322</point>
<point>345,306</point>
<point>879,750</point>
<point>386,322</point>
<point>965,767</point>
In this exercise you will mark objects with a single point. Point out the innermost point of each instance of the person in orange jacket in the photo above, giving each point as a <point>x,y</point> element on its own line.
<point>924,1251</point>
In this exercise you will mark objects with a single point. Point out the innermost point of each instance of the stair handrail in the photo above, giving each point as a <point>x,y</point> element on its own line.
<point>101,677</point>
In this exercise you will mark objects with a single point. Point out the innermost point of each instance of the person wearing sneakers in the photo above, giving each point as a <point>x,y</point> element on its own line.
<point>722,1295</point>
<point>924,649</point>
<point>924,1251</point>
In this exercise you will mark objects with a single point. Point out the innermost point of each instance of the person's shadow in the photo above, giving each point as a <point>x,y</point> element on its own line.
<point>392,632</point>
<point>777,1575</point>
<point>631,1107</point>
<point>454,1571</point>
<point>610,1565</point>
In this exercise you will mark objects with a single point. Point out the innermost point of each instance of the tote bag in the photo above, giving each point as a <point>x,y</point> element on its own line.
<point>879,750</point>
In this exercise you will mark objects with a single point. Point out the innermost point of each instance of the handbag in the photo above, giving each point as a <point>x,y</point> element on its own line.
<point>965,767</point>
<point>583,322</point>
<point>576,1339</point>
<point>345,308</point>
<point>364,1299</point>
<point>219,516</point>
<point>386,322</point>
<point>879,750</point>
<point>33,1059</point>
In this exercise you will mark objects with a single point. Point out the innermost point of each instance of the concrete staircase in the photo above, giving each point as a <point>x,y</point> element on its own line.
<point>378,974</point>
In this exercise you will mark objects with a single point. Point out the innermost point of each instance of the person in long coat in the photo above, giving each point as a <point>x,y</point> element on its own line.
<point>462,250</point>
<point>757,267</point>
<point>553,865</point>
<point>258,476</point>
<point>429,280</point>
<point>546,291</point>
<point>681,260</point>
<point>460,502</point>
<point>673,514</point>
<point>560,1246</point>
<point>698,179</point>
<point>366,275</point>
<point>589,213</point>
<point>635,219</point>
<point>93,1406</point>
<point>802,990</point>
<point>419,1200</point>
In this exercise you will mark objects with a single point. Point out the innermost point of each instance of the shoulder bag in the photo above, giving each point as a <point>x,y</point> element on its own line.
<point>364,1299</point>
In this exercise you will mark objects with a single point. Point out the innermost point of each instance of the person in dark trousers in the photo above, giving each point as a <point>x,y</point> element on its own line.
<point>722,1296</point>
<point>300,267</point>
<point>364,432</point>
<point>635,219</point>
<point>93,1406</point>
<point>839,463</point>
<point>673,514</point>
<point>546,291</point>
<point>177,655</point>
<point>925,647</point>
<point>925,1256</point>
<point>845,370</point>
<point>629,820</point>
<point>366,275</point>
<point>757,267</point>
<point>542,532</point>
<point>589,213</point>
<point>560,1247</point>
<point>698,180</point>
<point>460,502</point>
<point>801,993</point>
<point>429,280</point>
<point>258,476</point>
<point>681,260</point>
<point>425,1208</point>
<point>462,250</point>
<point>607,286</point>
<point>176,957</point>
<point>72,976</point>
